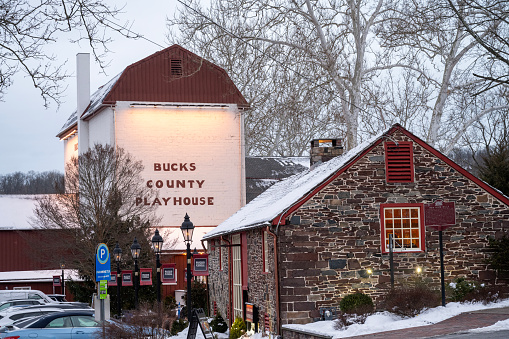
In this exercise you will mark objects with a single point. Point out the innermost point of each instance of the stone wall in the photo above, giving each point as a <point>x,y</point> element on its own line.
<point>336,236</point>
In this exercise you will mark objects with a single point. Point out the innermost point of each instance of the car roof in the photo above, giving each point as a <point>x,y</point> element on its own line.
<point>17,300</point>
<point>45,319</point>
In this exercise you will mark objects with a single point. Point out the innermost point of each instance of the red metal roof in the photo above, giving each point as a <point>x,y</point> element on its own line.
<point>175,75</point>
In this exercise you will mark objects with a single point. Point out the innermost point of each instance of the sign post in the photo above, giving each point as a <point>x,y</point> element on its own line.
<point>440,216</point>
<point>102,275</point>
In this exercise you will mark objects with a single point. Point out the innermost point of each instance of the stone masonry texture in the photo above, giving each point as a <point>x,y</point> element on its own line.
<point>336,237</point>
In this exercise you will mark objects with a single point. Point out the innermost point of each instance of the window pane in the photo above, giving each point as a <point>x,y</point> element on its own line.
<point>405,227</point>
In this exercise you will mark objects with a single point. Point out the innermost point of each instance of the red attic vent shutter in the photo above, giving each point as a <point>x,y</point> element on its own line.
<point>176,67</point>
<point>399,164</point>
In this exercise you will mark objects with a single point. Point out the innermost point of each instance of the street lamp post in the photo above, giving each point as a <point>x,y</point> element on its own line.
<point>157,244</point>
<point>62,266</point>
<point>187,231</point>
<point>135,252</point>
<point>117,253</point>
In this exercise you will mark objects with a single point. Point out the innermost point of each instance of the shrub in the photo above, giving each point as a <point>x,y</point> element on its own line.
<point>464,290</point>
<point>149,321</point>
<point>199,296</point>
<point>170,302</point>
<point>359,317</point>
<point>356,303</point>
<point>178,326</point>
<point>460,288</point>
<point>409,301</point>
<point>218,324</point>
<point>238,328</point>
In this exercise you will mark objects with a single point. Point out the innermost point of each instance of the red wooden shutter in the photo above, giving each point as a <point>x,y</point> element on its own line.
<point>399,163</point>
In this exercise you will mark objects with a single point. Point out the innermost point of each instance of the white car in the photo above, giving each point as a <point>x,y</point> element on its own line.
<point>23,302</point>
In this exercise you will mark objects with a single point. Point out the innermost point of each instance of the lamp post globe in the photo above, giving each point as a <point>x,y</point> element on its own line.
<point>187,229</point>
<point>117,254</point>
<point>135,252</point>
<point>157,244</point>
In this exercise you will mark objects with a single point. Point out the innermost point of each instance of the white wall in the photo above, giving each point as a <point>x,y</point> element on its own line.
<point>101,128</point>
<point>203,149</point>
<point>70,148</point>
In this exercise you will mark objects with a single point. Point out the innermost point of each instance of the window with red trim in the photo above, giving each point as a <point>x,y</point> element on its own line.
<point>406,224</point>
<point>399,161</point>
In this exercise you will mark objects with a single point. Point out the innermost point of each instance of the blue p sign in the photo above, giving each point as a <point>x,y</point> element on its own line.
<point>102,263</point>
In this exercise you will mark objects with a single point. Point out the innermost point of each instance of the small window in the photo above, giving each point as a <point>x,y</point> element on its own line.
<point>399,164</point>
<point>176,67</point>
<point>405,223</point>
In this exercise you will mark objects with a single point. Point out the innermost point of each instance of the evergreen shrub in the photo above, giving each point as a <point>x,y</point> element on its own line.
<point>352,303</point>
<point>218,324</point>
<point>238,328</point>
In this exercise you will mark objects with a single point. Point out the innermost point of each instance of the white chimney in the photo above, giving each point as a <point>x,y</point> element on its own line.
<point>83,98</point>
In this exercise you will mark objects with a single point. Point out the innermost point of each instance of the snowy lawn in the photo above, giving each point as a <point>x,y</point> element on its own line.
<point>384,321</point>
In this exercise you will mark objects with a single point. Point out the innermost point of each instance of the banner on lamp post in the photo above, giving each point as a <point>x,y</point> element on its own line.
<point>127,278</point>
<point>168,274</point>
<point>145,276</point>
<point>200,264</point>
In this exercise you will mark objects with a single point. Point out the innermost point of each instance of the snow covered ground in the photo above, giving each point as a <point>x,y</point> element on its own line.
<point>384,321</point>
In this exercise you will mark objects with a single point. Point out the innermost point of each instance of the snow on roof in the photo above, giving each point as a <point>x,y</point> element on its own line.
<point>16,211</point>
<point>281,196</point>
<point>40,276</point>
<point>96,100</point>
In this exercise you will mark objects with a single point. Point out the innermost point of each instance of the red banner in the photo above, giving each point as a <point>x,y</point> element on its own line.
<point>127,278</point>
<point>145,276</point>
<point>200,264</point>
<point>113,281</point>
<point>168,274</point>
<point>56,280</point>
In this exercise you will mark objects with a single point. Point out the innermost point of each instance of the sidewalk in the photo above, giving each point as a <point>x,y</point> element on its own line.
<point>459,323</point>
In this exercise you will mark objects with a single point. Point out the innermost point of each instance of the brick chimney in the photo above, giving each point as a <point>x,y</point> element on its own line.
<point>323,150</point>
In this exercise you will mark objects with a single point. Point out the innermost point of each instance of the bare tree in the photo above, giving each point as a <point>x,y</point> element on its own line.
<point>491,17</point>
<point>428,33</point>
<point>323,46</point>
<point>367,63</point>
<point>27,27</point>
<point>99,207</point>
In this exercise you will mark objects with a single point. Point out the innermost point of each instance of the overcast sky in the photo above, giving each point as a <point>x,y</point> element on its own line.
<point>28,131</point>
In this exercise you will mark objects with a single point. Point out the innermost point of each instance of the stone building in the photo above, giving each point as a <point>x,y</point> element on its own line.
<point>311,239</point>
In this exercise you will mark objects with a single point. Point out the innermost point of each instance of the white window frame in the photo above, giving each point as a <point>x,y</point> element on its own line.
<point>406,223</point>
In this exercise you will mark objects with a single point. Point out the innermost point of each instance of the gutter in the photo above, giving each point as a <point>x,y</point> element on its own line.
<point>276,278</point>
<point>230,281</point>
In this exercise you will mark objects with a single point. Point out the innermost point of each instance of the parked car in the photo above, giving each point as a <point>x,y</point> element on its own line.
<point>23,302</point>
<point>57,297</point>
<point>18,324</point>
<point>24,294</point>
<point>8,316</point>
<point>67,324</point>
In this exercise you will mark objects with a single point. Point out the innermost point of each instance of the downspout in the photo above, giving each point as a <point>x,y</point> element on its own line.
<point>230,280</point>
<point>276,277</point>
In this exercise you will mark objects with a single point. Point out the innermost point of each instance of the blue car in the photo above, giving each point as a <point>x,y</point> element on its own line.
<point>59,325</point>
